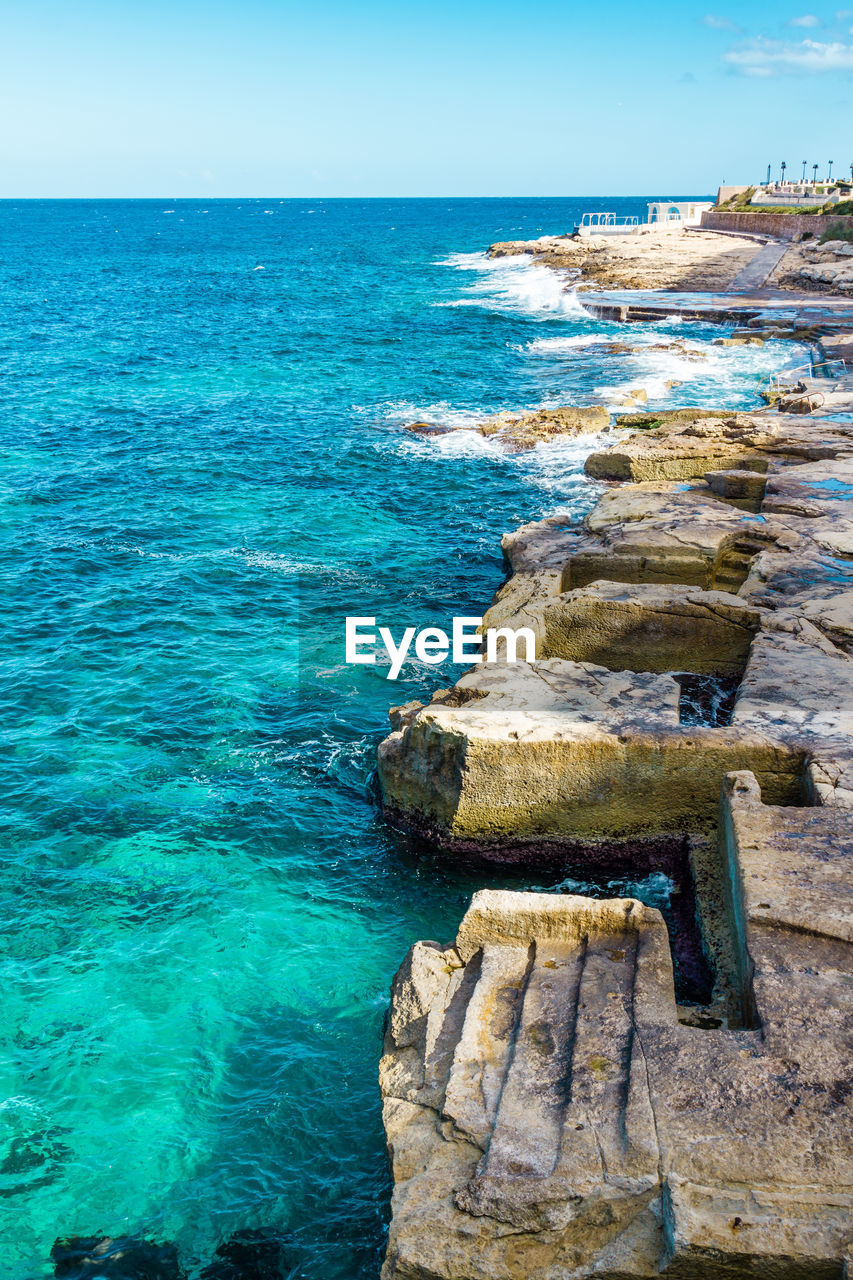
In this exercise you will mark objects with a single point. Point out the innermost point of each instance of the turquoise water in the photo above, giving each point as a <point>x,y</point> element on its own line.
<point>203,472</point>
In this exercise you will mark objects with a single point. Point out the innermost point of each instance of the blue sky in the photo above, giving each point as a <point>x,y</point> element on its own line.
<point>271,98</point>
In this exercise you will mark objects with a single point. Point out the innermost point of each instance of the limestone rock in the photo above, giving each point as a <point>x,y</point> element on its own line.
<point>518,432</point>
<point>664,417</point>
<point>570,752</point>
<point>547,1113</point>
<point>663,533</point>
<point>662,577</point>
<point>652,259</point>
<point>743,487</point>
<point>683,451</point>
<point>550,1110</point>
<point>650,628</point>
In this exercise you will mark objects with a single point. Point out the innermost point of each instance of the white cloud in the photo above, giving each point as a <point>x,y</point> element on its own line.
<point>717,23</point>
<point>762,57</point>
<point>807,20</point>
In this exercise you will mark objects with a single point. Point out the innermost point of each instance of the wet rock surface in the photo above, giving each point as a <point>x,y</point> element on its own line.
<point>517,432</point>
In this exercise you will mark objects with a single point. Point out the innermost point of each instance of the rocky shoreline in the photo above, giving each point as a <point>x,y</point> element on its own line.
<point>684,261</point>
<point>670,260</point>
<point>555,1105</point>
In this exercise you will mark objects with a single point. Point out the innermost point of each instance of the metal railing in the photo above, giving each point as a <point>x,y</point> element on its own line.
<point>607,220</point>
<point>830,368</point>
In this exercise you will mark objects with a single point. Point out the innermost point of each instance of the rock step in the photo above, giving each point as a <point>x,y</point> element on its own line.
<point>482,1055</point>
<point>529,1122</point>
<point>542,1074</point>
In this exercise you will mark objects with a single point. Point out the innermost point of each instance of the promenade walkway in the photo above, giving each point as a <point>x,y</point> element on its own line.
<point>756,273</point>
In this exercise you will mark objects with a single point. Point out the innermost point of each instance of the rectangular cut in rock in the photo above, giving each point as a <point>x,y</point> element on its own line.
<point>563,1124</point>
<point>659,527</point>
<point>790,874</point>
<point>682,1152</point>
<point>570,752</point>
<point>651,628</point>
<point>485,1046</point>
<point>711,557</point>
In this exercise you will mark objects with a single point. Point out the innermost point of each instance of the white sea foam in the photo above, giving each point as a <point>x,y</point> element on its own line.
<point>513,286</point>
<point>723,375</point>
<point>555,346</point>
<point>555,468</point>
<point>439,413</point>
<point>464,443</point>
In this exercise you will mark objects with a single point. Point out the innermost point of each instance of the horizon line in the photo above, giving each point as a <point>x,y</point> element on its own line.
<point>282,199</point>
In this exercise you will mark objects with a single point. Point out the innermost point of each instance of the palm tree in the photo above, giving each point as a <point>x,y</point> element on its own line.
<point>829,175</point>
<point>814,170</point>
<point>784,167</point>
<point>805,162</point>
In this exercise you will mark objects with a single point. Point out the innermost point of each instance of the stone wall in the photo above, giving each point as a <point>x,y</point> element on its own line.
<point>725,193</point>
<point>783,226</point>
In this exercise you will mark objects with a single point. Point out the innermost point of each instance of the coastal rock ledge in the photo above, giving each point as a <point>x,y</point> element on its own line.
<point>549,1116</point>
<point>552,1111</point>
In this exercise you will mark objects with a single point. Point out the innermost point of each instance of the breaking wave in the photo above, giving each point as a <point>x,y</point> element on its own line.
<point>514,286</point>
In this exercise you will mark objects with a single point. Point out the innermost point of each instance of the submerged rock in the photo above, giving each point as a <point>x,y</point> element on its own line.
<point>427,429</point>
<point>114,1258</point>
<point>258,1253</point>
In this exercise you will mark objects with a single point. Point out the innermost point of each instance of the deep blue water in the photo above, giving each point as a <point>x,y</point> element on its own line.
<point>203,472</point>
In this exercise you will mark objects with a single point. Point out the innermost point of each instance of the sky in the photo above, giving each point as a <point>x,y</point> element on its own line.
<point>172,98</point>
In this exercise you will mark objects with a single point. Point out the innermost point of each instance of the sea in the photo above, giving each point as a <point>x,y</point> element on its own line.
<point>204,470</point>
